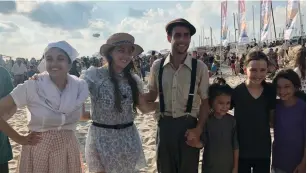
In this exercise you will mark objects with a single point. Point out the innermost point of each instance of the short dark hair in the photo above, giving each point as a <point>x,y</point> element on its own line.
<point>170,30</point>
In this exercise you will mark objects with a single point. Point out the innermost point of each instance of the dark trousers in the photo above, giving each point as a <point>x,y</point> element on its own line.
<point>4,168</point>
<point>259,165</point>
<point>173,154</point>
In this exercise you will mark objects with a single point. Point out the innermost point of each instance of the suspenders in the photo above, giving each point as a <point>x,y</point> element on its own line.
<point>191,92</point>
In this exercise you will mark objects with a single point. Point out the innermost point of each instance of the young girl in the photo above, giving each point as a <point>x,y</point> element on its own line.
<point>54,101</point>
<point>113,143</point>
<point>221,149</point>
<point>254,102</point>
<point>289,125</point>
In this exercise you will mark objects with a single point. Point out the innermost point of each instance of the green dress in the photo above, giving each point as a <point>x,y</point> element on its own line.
<point>6,87</point>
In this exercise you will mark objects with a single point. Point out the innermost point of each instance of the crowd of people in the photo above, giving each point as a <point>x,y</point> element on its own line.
<point>191,113</point>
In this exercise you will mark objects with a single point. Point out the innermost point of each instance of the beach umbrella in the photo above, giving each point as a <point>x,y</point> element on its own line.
<point>96,35</point>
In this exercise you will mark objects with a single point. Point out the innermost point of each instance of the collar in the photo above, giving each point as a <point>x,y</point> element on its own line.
<point>187,61</point>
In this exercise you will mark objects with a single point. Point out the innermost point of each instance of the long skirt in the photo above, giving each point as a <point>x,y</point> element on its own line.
<point>57,152</point>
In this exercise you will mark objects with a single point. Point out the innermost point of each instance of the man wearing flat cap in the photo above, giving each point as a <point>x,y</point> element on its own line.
<point>181,82</point>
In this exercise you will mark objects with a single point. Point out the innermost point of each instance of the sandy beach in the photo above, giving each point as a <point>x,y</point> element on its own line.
<point>145,124</point>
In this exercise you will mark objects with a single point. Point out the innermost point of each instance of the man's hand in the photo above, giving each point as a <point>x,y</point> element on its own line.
<point>193,136</point>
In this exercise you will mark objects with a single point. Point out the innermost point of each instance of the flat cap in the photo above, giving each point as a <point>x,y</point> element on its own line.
<point>180,22</point>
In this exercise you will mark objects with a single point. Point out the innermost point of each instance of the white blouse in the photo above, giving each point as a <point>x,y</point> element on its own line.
<point>40,116</point>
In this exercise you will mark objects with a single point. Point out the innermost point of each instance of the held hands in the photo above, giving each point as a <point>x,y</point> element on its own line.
<point>32,138</point>
<point>193,137</point>
<point>235,170</point>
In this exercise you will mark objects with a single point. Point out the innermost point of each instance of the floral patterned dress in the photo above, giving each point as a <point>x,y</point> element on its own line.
<point>112,150</point>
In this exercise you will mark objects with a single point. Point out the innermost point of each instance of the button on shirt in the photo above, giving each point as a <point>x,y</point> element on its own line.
<point>176,85</point>
<point>40,117</point>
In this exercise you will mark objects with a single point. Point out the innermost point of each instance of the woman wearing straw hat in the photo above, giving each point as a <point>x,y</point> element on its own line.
<point>54,101</point>
<point>113,144</point>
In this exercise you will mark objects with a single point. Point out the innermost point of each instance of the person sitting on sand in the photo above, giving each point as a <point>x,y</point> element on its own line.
<point>113,143</point>
<point>54,101</point>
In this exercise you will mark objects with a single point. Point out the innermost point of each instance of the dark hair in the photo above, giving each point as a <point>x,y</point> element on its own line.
<point>170,30</point>
<point>290,75</point>
<point>219,80</point>
<point>217,89</point>
<point>131,81</point>
<point>256,55</point>
<point>300,61</point>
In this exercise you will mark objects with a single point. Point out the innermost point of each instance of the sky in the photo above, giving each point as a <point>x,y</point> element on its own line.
<point>26,27</point>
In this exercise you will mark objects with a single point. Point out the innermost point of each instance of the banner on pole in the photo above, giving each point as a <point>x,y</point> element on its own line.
<point>292,11</point>
<point>224,22</point>
<point>243,39</point>
<point>265,18</point>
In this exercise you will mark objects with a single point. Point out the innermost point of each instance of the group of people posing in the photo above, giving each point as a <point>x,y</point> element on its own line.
<point>191,114</point>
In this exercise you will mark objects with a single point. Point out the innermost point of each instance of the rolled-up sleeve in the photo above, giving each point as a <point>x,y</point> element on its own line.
<point>204,81</point>
<point>21,94</point>
<point>152,82</point>
<point>89,77</point>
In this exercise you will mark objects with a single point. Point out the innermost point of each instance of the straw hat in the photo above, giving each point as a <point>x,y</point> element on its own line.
<point>120,39</point>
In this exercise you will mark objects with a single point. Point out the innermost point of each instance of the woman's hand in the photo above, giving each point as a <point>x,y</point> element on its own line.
<point>34,77</point>
<point>32,138</point>
<point>146,107</point>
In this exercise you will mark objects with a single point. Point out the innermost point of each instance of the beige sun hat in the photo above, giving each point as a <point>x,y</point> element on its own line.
<point>118,39</point>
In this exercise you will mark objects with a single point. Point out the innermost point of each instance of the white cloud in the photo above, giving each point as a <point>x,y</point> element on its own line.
<point>149,30</point>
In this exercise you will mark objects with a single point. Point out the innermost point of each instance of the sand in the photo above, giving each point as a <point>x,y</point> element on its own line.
<point>145,124</point>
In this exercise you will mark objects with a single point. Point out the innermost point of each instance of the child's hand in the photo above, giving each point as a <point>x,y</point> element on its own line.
<point>195,143</point>
<point>235,170</point>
